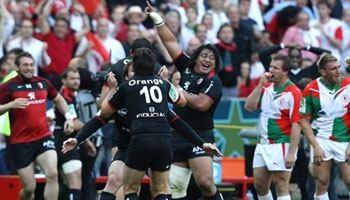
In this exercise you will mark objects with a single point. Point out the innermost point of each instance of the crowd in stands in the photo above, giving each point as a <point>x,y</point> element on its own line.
<point>100,32</point>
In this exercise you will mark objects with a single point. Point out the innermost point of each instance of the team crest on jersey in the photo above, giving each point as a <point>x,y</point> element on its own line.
<point>199,81</point>
<point>31,95</point>
<point>40,85</point>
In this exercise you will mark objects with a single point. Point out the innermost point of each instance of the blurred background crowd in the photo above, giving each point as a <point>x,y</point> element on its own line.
<point>92,35</point>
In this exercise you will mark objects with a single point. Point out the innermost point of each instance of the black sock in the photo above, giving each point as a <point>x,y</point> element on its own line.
<point>107,196</point>
<point>162,197</point>
<point>132,196</point>
<point>74,194</point>
<point>216,196</point>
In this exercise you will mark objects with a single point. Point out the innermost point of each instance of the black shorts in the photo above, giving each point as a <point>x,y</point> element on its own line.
<point>25,153</point>
<point>150,151</point>
<point>70,155</point>
<point>120,155</point>
<point>184,149</point>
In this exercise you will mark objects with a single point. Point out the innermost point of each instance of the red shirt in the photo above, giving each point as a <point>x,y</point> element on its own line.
<point>244,90</point>
<point>29,124</point>
<point>60,51</point>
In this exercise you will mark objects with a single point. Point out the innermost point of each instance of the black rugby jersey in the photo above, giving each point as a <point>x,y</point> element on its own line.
<point>146,100</point>
<point>69,96</point>
<point>195,83</point>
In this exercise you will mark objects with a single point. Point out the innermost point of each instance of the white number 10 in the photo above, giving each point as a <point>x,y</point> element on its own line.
<point>151,93</point>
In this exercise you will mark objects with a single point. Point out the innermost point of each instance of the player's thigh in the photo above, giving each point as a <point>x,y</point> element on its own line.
<point>159,181</point>
<point>26,175</point>
<point>202,168</point>
<point>116,168</point>
<point>48,162</point>
<point>345,171</point>
<point>262,177</point>
<point>322,171</point>
<point>132,179</point>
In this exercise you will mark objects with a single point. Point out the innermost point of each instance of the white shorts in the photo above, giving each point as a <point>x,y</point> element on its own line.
<point>271,156</point>
<point>332,149</point>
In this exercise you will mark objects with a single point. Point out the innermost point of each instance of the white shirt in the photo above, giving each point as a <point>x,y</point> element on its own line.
<point>34,47</point>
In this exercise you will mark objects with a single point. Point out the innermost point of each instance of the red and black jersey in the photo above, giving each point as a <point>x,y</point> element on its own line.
<point>59,134</point>
<point>28,124</point>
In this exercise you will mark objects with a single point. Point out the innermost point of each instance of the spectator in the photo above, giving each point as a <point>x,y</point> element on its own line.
<point>329,28</point>
<point>230,60</point>
<point>217,12</point>
<point>119,30</point>
<point>133,34</point>
<point>245,85</point>
<point>243,37</point>
<point>302,34</point>
<point>135,15</point>
<point>60,38</point>
<point>346,40</point>
<point>193,44</point>
<point>28,43</point>
<point>7,24</point>
<point>207,20</point>
<point>201,33</point>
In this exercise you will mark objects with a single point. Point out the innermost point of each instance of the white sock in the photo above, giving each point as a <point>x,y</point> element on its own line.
<point>322,196</point>
<point>286,197</point>
<point>267,196</point>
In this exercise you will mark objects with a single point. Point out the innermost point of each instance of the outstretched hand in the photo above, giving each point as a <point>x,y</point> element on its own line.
<point>211,149</point>
<point>69,144</point>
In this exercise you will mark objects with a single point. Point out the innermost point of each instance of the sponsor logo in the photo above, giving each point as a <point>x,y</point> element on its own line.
<point>197,150</point>
<point>145,82</point>
<point>173,94</point>
<point>49,144</point>
<point>28,85</point>
<point>149,115</point>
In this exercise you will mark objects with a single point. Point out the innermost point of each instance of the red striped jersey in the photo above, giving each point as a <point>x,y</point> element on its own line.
<point>279,109</point>
<point>328,108</point>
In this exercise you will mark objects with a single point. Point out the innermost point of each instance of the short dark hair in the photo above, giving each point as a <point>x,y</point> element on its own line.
<point>324,59</point>
<point>144,61</point>
<point>324,2</point>
<point>69,69</point>
<point>21,55</point>
<point>196,53</point>
<point>223,26</point>
<point>286,61</point>
<point>139,43</point>
<point>15,51</point>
